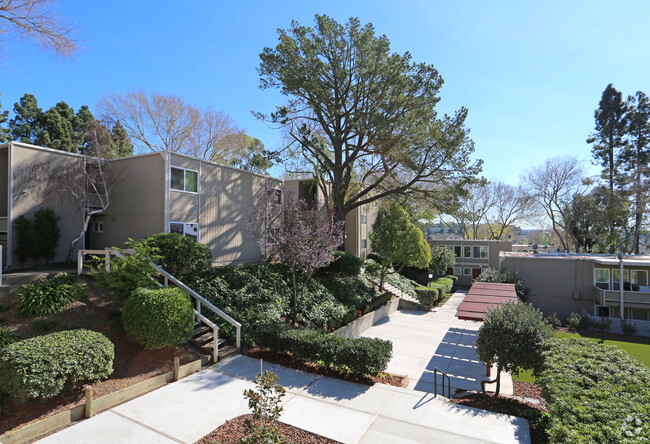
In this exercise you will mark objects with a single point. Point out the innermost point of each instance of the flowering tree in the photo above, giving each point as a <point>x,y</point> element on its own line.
<point>301,236</point>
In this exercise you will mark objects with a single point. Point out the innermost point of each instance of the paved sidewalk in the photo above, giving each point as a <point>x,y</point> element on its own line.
<point>189,409</point>
<point>423,341</point>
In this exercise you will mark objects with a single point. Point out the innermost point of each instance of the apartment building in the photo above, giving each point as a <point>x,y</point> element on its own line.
<point>586,284</point>
<point>472,256</point>
<point>150,193</point>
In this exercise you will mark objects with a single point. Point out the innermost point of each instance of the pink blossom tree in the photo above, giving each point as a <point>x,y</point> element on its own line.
<point>300,236</point>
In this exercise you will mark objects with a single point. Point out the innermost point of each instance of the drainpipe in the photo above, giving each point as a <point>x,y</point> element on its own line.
<point>620,255</point>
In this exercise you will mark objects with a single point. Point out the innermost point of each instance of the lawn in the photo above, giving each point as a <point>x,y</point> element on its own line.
<point>638,350</point>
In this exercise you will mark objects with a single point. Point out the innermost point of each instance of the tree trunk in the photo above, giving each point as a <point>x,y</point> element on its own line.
<point>73,244</point>
<point>294,308</point>
<point>498,389</point>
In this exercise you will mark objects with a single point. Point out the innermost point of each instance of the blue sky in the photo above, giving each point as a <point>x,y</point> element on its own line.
<point>531,75</point>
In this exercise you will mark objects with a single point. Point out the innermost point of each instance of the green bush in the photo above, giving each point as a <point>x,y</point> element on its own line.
<point>359,355</point>
<point>179,255</point>
<point>44,324</point>
<point>7,337</point>
<point>429,295</point>
<point>25,242</point>
<point>405,285</point>
<point>446,283</point>
<point>129,273</point>
<point>603,324</point>
<point>158,318</point>
<point>553,320</point>
<point>47,296</point>
<point>575,322</point>
<point>628,327</point>
<point>42,367</point>
<point>344,264</point>
<point>595,393</point>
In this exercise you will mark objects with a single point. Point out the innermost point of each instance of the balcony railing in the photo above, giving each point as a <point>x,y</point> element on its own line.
<point>613,297</point>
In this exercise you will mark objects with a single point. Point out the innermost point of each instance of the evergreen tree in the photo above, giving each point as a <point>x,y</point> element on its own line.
<point>635,159</point>
<point>58,132</point>
<point>46,233</point>
<point>26,125</point>
<point>25,245</point>
<point>4,132</point>
<point>121,141</point>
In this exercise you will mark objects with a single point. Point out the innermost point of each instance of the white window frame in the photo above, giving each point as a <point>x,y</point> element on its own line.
<point>465,255</point>
<point>616,282</point>
<point>184,170</point>
<point>645,272</point>
<point>596,281</point>
<point>483,252</point>
<point>457,271</point>
<point>467,271</point>
<point>364,219</point>
<point>364,244</point>
<point>460,251</point>
<point>198,231</point>
<point>98,226</point>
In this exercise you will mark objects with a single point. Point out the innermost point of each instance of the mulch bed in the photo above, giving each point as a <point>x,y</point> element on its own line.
<point>99,312</point>
<point>230,432</point>
<point>287,360</point>
<point>515,406</point>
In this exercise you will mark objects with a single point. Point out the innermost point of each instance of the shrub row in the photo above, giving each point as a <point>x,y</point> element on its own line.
<point>356,313</point>
<point>158,318</point>
<point>359,355</point>
<point>595,393</point>
<point>47,296</point>
<point>435,291</point>
<point>44,366</point>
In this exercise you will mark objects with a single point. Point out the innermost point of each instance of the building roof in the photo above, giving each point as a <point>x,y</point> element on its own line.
<point>482,296</point>
<point>601,259</point>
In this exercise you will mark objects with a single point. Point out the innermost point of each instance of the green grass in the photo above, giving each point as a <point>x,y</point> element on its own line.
<point>638,350</point>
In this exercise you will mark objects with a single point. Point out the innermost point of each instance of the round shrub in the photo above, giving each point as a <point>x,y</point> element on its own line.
<point>42,367</point>
<point>158,318</point>
<point>344,264</point>
<point>180,255</point>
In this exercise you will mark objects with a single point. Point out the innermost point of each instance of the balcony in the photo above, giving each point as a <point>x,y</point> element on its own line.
<point>640,299</point>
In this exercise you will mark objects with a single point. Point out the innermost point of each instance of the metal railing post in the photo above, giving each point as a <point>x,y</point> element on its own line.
<point>80,262</point>
<point>215,352</point>
<point>107,260</point>
<point>239,336</point>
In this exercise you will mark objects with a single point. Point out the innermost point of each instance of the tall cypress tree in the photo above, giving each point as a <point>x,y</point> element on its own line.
<point>121,140</point>
<point>26,125</point>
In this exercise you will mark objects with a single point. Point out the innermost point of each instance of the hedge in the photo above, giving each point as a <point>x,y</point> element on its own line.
<point>359,355</point>
<point>158,318</point>
<point>595,393</point>
<point>446,283</point>
<point>43,366</point>
<point>429,295</point>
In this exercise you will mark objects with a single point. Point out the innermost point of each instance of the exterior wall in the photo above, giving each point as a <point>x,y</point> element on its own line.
<point>561,285</point>
<point>225,200</point>
<point>356,231</point>
<point>28,195</point>
<point>494,248</point>
<point>137,207</point>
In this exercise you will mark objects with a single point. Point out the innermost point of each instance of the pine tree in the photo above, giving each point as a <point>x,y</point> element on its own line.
<point>4,132</point>
<point>121,141</point>
<point>26,125</point>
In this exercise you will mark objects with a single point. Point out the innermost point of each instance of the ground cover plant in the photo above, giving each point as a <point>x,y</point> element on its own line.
<point>595,393</point>
<point>403,284</point>
<point>47,296</point>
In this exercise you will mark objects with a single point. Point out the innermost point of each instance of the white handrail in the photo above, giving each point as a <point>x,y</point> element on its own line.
<point>215,334</point>
<point>200,300</point>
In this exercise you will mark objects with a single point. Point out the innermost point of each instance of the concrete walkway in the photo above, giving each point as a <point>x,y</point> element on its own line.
<point>189,409</point>
<point>423,341</point>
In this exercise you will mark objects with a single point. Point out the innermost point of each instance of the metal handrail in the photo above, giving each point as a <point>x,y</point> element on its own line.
<point>435,383</point>
<point>200,300</point>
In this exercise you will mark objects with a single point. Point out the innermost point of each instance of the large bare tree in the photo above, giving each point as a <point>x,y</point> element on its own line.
<point>471,212</point>
<point>165,122</point>
<point>553,185</point>
<point>510,205</point>
<point>38,20</point>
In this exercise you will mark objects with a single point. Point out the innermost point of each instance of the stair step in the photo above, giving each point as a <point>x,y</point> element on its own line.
<point>202,339</point>
<point>198,331</point>
<point>226,351</point>
<point>209,346</point>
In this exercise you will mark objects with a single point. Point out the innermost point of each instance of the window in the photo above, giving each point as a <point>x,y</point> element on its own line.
<point>457,250</point>
<point>467,251</point>
<point>467,271</point>
<point>458,271</point>
<point>601,277</point>
<point>184,180</point>
<point>602,311</point>
<point>277,195</point>
<point>187,229</point>
<point>481,252</point>
<point>364,219</point>
<point>364,243</point>
<point>98,227</point>
<point>639,277</point>
<point>616,278</point>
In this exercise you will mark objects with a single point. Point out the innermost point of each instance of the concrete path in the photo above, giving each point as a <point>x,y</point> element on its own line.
<point>189,409</point>
<point>423,341</point>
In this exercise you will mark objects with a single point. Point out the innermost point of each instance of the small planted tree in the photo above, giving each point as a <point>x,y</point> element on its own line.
<point>46,233</point>
<point>514,337</point>
<point>441,259</point>
<point>302,237</point>
<point>397,241</point>
<point>265,404</point>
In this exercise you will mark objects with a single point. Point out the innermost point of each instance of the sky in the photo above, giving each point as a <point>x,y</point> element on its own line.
<point>531,74</point>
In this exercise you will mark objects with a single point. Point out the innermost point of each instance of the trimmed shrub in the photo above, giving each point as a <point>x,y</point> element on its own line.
<point>47,296</point>
<point>42,367</point>
<point>158,318</point>
<point>446,283</point>
<point>359,355</point>
<point>179,255</point>
<point>344,264</point>
<point>429,295</point>
<point>595,393</point>
<point>129,273</point>
<point>7,337</point>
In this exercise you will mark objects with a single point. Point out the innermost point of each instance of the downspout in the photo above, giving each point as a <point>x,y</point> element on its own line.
<point>198,217</point>
<point>167,186</point>
<point>10,204</point>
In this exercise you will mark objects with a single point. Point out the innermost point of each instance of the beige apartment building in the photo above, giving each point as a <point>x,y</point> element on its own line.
<point>472,256</point>
<point>586,284</point>
<point>150,193</point>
